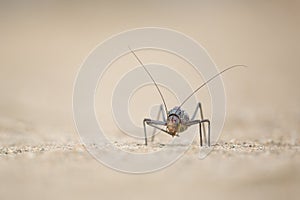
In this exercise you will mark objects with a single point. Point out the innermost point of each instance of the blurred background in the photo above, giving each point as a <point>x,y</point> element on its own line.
<point>43,44</point>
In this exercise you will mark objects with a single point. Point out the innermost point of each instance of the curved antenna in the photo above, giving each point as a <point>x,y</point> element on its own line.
<point>162,98</point>
<point>228,68</point>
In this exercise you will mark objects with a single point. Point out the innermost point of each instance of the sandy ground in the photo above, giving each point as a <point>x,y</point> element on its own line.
<point>234,170</point>
<point>44,43</point>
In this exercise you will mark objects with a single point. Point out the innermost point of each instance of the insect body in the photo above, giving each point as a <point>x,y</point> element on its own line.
<point>177,120</point>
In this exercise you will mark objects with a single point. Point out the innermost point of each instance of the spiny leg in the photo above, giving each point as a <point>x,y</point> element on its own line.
<point>200,122</point>
<point>160,112</point>
<point>199,106</point>
<point>145,130</point>
<point>153,123</point>
<point>208,125</point>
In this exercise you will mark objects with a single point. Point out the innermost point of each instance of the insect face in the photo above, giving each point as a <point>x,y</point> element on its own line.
<point>173,123</point>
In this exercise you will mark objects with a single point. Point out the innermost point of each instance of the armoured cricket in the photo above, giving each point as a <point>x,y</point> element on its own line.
<point>177,119</point>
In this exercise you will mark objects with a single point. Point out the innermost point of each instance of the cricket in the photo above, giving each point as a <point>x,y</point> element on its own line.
<point>177,120</point>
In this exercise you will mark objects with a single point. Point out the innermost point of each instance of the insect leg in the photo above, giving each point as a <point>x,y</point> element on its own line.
<point>208,125</point>
<point>200,122</point>
<point>160,112</point>
<point>154,124</point>
<point>199,106</point>
<point>145,129</point>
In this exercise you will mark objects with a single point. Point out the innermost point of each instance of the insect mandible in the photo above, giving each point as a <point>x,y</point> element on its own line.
<point>177,120</point>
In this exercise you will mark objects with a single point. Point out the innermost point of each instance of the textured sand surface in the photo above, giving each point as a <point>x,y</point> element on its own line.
<point>236,169</point>
<point>44,43</point>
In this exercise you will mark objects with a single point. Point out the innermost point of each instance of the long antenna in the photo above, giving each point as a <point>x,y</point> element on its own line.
<point>166,109</point>
<point>233,66</point>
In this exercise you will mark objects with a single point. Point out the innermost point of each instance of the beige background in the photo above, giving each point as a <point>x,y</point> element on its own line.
<point>43,45</point>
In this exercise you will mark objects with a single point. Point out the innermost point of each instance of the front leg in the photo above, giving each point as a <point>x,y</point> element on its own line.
<point>199,107</point>
<point>200,122</point>
<point>162,113</point>
<point>154,124</point>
